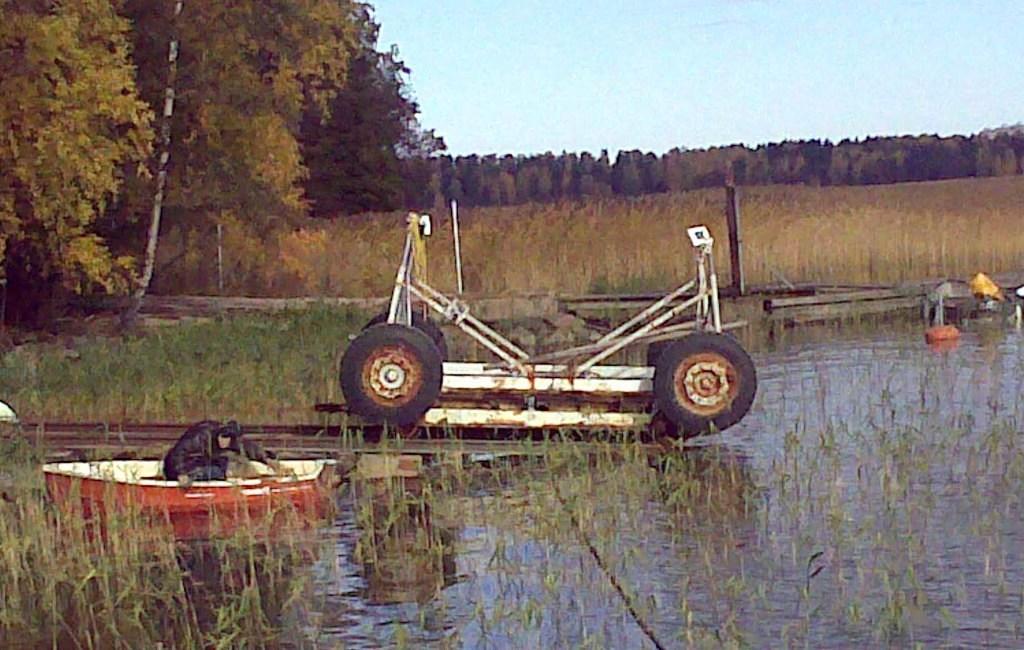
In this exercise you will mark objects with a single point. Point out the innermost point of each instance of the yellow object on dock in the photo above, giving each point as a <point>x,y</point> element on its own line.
<point>983,286</point>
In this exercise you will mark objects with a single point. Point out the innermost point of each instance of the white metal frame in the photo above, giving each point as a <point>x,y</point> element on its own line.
<point>574,369</point>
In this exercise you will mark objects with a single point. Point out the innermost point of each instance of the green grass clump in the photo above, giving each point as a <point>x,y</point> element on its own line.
<point>267,367</point>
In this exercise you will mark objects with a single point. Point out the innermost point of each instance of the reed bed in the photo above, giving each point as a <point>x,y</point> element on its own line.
<point>846,235</point>
<point>872,502</point>
<point>70,581</point>
<point>889,536</point>
<point>707,552</point>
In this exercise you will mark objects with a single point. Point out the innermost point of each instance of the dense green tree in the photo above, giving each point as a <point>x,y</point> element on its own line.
<point>626,174</point>
<point>811,162</point>
<point>368,152</point>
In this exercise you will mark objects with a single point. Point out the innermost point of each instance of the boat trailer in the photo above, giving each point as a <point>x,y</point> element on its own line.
<point>698,379</point>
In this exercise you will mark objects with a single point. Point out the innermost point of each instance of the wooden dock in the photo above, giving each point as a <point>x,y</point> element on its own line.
<point>764,306</point>
<point>840,305</point>
<point>79,440</point>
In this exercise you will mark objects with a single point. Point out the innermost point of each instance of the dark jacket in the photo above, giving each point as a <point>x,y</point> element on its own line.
<point>199,448</point>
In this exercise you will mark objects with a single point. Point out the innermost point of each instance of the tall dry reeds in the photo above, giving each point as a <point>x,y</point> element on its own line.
<point>852,235</point>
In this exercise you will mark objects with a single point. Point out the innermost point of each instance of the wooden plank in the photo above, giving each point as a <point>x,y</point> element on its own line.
<point>625,297</point>
<point>206,305</point>
<point>533,419</point>
<point>452,383</point>
<point>346,449</point>
<point>541,369</point>
<point>812,313</point>
<point>610,303</point>
<point>774,304</point>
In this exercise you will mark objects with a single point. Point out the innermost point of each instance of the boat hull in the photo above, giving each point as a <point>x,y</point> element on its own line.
<point>200,509</point>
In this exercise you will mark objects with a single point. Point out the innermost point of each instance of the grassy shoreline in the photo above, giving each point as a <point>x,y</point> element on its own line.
<point>265,367</point>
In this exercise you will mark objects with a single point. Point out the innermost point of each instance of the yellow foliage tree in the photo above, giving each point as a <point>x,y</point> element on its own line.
<point>245,70</point>
<point>70,122</point>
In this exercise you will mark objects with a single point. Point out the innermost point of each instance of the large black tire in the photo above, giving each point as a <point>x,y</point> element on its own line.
<point>420,322</point>
<point>704,382</point>
<point>654,350</point>
<point>391,374</point>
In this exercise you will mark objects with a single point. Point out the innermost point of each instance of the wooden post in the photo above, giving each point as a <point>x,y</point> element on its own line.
<point>732,218</point>
<point>220,259</point>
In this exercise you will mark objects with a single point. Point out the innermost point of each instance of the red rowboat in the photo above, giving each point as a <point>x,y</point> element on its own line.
<point>199,508</point>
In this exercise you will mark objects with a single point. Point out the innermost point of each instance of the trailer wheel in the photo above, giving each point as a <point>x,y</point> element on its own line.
<point>704,382</point>
<point>420,322</point>
<point>655,349</point>
<point>392,374</point>
<point>660,429</point>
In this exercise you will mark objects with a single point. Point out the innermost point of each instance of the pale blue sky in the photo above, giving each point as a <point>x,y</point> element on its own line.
<point>528,76</point>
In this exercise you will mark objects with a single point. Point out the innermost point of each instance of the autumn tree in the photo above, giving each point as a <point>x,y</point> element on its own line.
<point>72,125</point>
<point>245,71</point>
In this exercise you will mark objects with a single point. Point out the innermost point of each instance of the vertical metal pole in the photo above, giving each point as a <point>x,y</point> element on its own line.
<point>220,258</point>
<point>732,218</point>
<point>397,305</point>
<point>716,313</point>
<point>458,245</point>
<point>702,289</point>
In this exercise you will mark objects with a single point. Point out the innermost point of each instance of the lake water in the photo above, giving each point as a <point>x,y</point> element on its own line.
<point>873,497</point>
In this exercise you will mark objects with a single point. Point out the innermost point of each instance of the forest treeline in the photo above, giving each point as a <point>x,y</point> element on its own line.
<point>512,180</point>
<point>289,108</point>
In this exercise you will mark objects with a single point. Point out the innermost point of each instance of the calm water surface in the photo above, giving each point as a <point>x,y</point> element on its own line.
<point>878,503</point>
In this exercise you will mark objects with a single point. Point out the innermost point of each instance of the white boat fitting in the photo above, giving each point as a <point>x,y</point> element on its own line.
<point>7,414</point>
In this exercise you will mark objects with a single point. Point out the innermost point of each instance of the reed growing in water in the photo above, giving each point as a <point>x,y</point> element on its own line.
<point>67,581</point>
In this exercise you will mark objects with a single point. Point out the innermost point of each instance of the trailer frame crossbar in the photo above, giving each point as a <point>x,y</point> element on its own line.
<point>654,322</point>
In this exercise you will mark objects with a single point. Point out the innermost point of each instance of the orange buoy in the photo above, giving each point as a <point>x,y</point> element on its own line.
<point>940,333</point>
<point>944,346</point>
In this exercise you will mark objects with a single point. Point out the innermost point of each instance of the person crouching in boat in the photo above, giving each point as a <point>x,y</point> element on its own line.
<point>209,451</point>
<point>203,452</point>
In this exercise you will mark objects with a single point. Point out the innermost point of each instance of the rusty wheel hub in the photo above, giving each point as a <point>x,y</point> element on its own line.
<point>392,375</point>
<point>707,383</point>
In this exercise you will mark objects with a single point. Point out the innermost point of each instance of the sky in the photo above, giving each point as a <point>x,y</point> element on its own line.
<point>530,76</point>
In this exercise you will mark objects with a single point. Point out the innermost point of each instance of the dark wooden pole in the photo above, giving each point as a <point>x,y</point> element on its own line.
<point>732,218</point>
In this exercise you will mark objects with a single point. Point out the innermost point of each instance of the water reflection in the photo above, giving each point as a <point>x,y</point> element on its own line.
<point>405,557</point>
<point>870,498</point>
<point>243,588</point>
